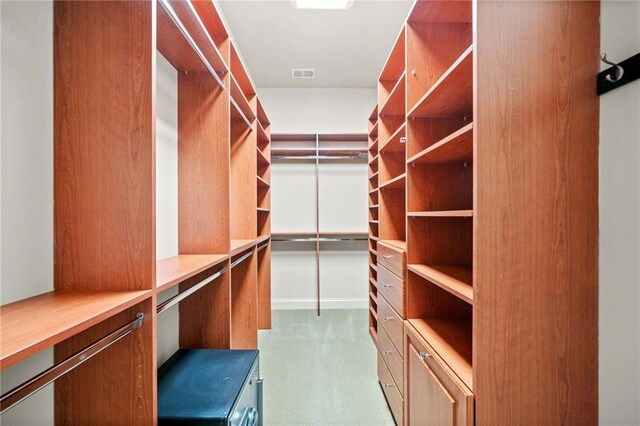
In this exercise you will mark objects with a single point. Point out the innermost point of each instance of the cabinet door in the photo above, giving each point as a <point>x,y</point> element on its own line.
<point>431,403</point>
<point>433,394</point>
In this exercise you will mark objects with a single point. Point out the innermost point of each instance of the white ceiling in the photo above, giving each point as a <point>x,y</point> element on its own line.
<point>346,47</point>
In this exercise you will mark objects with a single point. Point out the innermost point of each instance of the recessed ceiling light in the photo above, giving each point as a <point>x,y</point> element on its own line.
<point>322,4</point>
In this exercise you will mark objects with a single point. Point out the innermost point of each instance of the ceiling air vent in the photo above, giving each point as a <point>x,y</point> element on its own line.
<point>303,73</point>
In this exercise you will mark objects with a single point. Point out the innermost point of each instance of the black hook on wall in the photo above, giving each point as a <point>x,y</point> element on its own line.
<point>619,74</point>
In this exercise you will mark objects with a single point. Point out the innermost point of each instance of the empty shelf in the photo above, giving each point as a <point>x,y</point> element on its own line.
<point>238,246</point>
<point>455,279</point>
<point>397,182</point>
<point>457,147</point>
<point>175,269</point>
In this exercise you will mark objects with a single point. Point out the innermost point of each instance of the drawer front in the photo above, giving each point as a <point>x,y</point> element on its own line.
<point>393,289</point>
<point>433,393</point>
<point>391,323</point>
<point>392,358</point>
<point>393,259</point>
<point>391,391</point>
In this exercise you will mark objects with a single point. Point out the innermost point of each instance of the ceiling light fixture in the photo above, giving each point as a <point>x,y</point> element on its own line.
<point>322,4</point>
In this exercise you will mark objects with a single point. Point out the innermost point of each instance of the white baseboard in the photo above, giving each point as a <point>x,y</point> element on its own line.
<point>324,304</point>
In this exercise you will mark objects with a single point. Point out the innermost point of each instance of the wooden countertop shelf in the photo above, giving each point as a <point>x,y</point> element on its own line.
<point>393,143</point>
<point>397,182</point>
<point>444,213</point>
<point>262,159</point>
<point>455,148</point>
<point>241,99</point>
<point>395,103</point>
<point>402,245</point>
<point>238,246</point>
<point>31,325</point>
<point>456,279</point>
<point>452,94</point>
<point>452,341</point>
<point>262,183</point>
<point>173,270</point>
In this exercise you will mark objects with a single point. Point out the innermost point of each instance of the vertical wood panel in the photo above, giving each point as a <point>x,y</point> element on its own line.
<point>264,288</point>
<point>104,137</point>
<point>203,165</point>
<point>536,242</point>
<point>244,309</point>
<point>118,385</point>
<point>243,184</point>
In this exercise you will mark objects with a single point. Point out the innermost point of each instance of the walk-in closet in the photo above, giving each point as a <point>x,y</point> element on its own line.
<point>320,212</point>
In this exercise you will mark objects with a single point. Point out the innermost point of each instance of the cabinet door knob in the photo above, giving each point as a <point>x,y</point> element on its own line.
<point>387,256</point>
<point>425,355</point>
<point>387,352</point>
<point>387,318</point>
<point>387,385</point>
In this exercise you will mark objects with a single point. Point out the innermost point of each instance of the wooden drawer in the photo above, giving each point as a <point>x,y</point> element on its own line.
<point>434,395</point>
<point>392,358</point>
<point>393,289</point>
<point>393,259</point>
<point>396,403</point>
<point>391,323</point>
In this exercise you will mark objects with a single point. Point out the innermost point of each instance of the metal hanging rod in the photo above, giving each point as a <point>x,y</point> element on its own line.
<point>176,20</point>
<point>244,117</point>
<point>241,259</point>
<point>33,385</point>
<point>321,239</point>
<point>183,295</point>
<point>262,247</point>
<point>319,157</point>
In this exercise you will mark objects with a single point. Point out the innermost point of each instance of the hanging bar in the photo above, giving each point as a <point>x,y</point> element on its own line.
<point>241,259</point>
<point>183,295</point>
<point>321,239</point>
<point>262,247</point>
<point>38,382</point>
<point>240,113</point>
<point>176,20</point>
<point>320,157</point>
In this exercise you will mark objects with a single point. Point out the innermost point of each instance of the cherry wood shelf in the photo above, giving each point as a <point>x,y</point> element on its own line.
<point>262,159</point>
<point>374,238</point>
<point>373,252</point>
<point>238,115</point>
<point>374,267</point>
<point>263,138</point>
<point>394,144</point>
<point>373,190</point>
<point>373,297</point>
<point>396,102</point>
<point>261,115</point>
<point>262,183</point>
<point>375,175</point>
<point>173,270</point>
<point>374,160</point>
<point>452,342</point>
<point>238,246</point>
<point>374,334</point>
<point>373,118</point>
<point>402,245</point>
<point>31,325</point>
<point>373,133</point>
<point>374,144</point>
<point>397,182</point>
<point>452,94</point>
<point>445,213</point>
<point>455,279</point>
<point>374,282</point>
<point>395,64</point>
<point>241,100</point>
<point>441,11</point>
<point>456,147</point>
<point>261,239</point>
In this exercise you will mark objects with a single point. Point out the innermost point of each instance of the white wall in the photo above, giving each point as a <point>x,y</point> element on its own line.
<point>620,225</point>
<point>27,181</point>
<point>343,201</point>
<point>318,110</point>
<point>166,194</point>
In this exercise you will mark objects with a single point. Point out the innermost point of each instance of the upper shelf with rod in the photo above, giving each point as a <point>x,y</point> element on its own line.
<point>312,147</point>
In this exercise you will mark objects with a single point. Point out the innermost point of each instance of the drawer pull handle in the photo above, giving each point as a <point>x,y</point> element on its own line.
<point>387,256</point>
<point>387,285</point>
<point>387,385</point>
<point>387,318</point>
<point>387,352</point>
<point>425,355</point>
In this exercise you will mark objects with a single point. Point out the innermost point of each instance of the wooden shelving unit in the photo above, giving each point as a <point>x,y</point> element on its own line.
<point>374,177</point>
<point>466,185</point>
<point>106,272</point>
